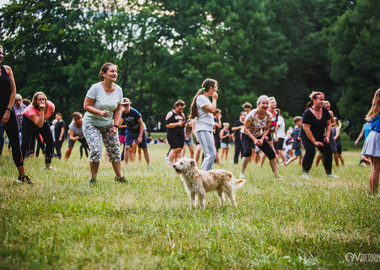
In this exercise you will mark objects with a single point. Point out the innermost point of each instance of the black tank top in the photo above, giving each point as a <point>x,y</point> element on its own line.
<point>5,91</point>
<point>226,139</point>
<point>175,118</point>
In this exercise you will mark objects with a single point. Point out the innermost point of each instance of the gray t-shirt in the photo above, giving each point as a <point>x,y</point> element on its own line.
<point>103,101</point>
<point>205,120</point>
<point>77,131</point>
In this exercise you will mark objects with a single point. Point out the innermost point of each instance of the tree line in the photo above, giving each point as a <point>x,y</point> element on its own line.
<point>165,49</point>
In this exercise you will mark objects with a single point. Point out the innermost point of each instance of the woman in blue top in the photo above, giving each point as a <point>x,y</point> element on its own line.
<point>371,146</point>
<point>100,122</point>
<point>202,110</point>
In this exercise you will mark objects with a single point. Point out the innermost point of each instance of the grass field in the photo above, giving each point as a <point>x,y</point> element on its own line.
<point>63,222</point>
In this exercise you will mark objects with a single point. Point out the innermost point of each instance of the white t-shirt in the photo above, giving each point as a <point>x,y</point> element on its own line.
<point>205,119</point>
<point>281,127</point>
<point>103,101</point>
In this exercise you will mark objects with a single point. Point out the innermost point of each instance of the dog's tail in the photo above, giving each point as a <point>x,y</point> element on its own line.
<point>238,183</point>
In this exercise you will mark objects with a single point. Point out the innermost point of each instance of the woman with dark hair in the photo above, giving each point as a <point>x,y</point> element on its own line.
<point>8,117</point>
<point>175,122</point>
<point>100,122</point>
<point>35,122</point>
<point>75,134</point>
<point>202,110</point>
<point>59,133</point>
<point>316,131</point>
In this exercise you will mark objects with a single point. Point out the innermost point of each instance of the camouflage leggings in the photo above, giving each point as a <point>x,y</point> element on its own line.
<point>94,136</point>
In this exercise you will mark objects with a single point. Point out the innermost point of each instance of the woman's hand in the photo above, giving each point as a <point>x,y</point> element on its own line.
<point>318,143</point>
<point>113,130</point>
<point>259,142</point>
<point>215,95</point>
<point>104,113</point>
<point>42,107</point>
<point>5,118</point>
<point>327,139</point>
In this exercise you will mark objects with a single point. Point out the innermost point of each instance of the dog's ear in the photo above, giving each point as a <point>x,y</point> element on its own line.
<point>192,163</point>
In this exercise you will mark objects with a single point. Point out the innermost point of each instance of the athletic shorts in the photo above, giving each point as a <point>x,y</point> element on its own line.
<point>176,140</point>
<point>279,145</point>
<point>71,143</point>
<point>225,145</point>
<point>131,138</point>
<point>297,152</point>
<point>189,141</point>
<point>217,142</point>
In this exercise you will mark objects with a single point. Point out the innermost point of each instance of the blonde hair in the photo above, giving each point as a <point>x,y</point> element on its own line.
<point>18,97</point>
<point>226,124</point>
<point>375,109</point>
<point>261,98</point>
<point>313,96</point>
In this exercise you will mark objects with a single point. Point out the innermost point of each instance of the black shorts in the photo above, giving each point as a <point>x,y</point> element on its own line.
<point>217,142</point>
<point>279,145</point>
<point>339,149</point>
<point>176,140</point>
<point>248,145</point>
<point>71,143</point>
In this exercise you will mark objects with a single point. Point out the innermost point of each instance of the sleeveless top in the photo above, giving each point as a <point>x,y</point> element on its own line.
<point>5,90</point>
<point>226,139</point>
<point>175,118</point>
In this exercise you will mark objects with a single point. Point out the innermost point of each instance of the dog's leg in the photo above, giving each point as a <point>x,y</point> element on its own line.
<point>231,195</point>
<point>221,196</point>
<point>193,202</point>
<point>202,196</point>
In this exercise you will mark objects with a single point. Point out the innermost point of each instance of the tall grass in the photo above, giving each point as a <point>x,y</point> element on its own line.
<point>63,222</point>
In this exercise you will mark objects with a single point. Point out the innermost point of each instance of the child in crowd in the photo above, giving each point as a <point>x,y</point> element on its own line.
<point>297,145</point>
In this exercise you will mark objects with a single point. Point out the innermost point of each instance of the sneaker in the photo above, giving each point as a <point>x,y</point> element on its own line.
<point>92,181</point>
<point>305,175</point>
<point>150,167</point>
<point>121,179</point>
<point>331,175</point>
<point>26,179</point>
<point>167,162</point>
<point>19,180</point>
<point>241,176</point>
<point>50,168</point>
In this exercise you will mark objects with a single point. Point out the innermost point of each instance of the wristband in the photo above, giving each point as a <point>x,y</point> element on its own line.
<point>8,109</point>
<point>115,126</point>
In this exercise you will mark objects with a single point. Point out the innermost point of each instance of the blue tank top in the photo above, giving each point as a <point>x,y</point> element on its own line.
<point>367,130</point>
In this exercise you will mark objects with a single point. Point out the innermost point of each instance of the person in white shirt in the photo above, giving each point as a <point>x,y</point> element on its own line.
<point>279,144</point>
<point>202,110</point>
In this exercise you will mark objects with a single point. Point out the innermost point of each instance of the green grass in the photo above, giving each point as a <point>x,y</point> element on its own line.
<point>63,222</point>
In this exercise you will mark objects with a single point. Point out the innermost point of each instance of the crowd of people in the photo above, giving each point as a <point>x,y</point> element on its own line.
<point>257,134</point>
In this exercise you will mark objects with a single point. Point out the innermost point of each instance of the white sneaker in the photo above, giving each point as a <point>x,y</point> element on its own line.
<point>305,175</point>
<point>331,175</point>
<point>167,162</point>
<point>50,168</point>
<point>241,176</point>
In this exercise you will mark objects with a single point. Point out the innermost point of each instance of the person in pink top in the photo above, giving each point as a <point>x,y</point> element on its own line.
<point>35,121</point>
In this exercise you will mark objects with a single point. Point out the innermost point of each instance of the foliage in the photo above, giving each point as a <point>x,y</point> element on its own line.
<point>165,49</point>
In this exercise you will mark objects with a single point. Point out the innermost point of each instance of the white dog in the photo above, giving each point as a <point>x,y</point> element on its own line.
<point>199,182</point>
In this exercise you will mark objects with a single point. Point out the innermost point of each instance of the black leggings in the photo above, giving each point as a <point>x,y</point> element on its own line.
<point>58,147</point>
<point>248,145</point>
<point>308,158</point>
<point>14,140</point>
<point>29,129</point>
<point>238,150</point>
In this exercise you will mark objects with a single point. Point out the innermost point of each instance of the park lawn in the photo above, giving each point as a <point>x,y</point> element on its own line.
<point>63,222</point>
